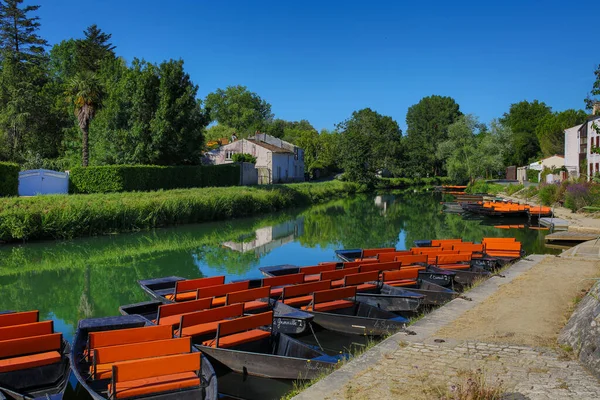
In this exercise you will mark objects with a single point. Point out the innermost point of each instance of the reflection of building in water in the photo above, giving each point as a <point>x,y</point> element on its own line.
<point>383,201</point>
<point>269,238</point>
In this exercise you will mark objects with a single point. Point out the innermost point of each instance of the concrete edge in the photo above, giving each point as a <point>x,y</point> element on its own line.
<point>424,330</point>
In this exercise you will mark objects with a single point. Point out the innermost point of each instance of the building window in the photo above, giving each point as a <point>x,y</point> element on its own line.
<point>228,154</point>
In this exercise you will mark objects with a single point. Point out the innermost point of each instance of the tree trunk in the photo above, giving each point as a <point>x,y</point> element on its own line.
<point>84,144</point>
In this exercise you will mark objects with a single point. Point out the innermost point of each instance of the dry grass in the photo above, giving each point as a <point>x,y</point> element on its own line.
<point>473,385</point>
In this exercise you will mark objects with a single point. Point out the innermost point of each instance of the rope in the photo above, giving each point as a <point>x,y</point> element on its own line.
<point>315,336</point>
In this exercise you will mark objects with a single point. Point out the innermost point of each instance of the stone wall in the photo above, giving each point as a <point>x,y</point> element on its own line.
<point>582,332</point>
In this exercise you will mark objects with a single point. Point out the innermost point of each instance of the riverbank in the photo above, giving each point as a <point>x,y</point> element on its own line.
<point>70,216</point>
<point>504,338</point>
<point>578,222</point>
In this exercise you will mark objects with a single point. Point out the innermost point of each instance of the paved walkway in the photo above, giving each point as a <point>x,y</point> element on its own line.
<point>426,365</point>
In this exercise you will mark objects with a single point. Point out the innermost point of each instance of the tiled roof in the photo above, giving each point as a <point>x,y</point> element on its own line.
<point>269,147</point>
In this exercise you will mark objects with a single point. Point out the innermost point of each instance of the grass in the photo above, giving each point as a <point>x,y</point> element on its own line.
<point>69,216</point>
<point>300,386</point>
<point>512,189</point>
<point>473,385</point>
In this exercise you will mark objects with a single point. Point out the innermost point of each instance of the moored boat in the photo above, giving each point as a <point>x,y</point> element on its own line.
<point>34,359</point>
<point>176,289</point>
<point>338,310</point>
<point>128,357</point>
<point>249,345</point>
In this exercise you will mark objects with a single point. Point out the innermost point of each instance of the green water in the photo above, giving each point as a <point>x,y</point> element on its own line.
<point>92,277</point>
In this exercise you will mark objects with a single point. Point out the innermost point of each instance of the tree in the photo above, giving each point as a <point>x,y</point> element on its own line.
<point>523,119</point>
<point>94,48</point>
<point>219,131</point>
<point>18,33</point>
<point>85,92</point>
<point>368,142</point>
<point>551,130</point>
<point>592,97</point>
<point>427,126</point>
<point>238,108</point>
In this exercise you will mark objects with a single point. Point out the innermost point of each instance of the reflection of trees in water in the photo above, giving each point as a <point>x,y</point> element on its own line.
<point>94,277</point>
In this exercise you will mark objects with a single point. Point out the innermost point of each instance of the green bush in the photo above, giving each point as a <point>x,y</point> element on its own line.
<point>244,157</point>
<point>398,183</point>
<point>548,194</point>
<point>512,189</point>
<point>531,191</point>
<point>484,187</point>
<point>62,216</point>
<point>9,179</point>
<point>127,178</point>
<point>533,175</point>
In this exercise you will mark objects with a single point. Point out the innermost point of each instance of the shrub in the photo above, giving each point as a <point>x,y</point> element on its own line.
<point>531,191</point>
<point>244,157</point>
<point>9,179</point>
<point>127,178</point>
<point>484,187</point>
<point>406,182</point>
<point>533,175</point>
<point>61,216</point>
<point>548,194</point>
<point>577,196</point>
<point>512,189</point>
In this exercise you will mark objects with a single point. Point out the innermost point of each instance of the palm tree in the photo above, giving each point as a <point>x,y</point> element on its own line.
<point>85,91</point>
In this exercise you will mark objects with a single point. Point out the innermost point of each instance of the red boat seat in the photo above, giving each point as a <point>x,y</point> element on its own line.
<point>250,298</point>
<point>332,299</point>
<point>19,318</point>
<point>206,321</point>
<point>30,361</point>
<point>241,330</point>
<point>130,335</point>
<point>170,314</point>
<point>298,301</point>
<point>186,289</point>
<point>26,330</point>
<point>297,295</point>
<point>154,375</point>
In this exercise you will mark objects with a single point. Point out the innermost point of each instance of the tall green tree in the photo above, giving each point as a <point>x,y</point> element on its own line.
<point>427,126</point>
<point>24,105</point>
<point>18,33</point>
<point>369,142</point>
<point>94,48</point>
<point>523,119</point>
<point>150,115</point>
<point>551,130</point>
<point>594,95</point>
<point>239,108</point>
<point>85,92</point>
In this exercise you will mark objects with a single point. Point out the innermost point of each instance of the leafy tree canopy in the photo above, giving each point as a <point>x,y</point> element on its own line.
<point>523,119</point>
<point>594,95</point>
<point>18,33</point>
<point>427,126</point>
<point>94,48</point>
<point>238,108</point>
<point>369,142</point>
<point>551,130</point>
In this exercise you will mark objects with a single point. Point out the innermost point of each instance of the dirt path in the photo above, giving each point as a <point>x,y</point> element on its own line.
<point>530,310</point>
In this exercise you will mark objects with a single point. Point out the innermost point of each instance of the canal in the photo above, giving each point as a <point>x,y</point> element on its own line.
<point>91,277</point>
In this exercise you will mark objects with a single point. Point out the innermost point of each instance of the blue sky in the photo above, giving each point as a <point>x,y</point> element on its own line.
<point>321,60</point>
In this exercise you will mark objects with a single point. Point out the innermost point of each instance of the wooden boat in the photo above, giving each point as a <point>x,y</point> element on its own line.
<point>135,359</point>
<point>249,345</point>
<point>165,290</point>
<point>34,360</point>
<point>434,294</point>
<point>338,310</point>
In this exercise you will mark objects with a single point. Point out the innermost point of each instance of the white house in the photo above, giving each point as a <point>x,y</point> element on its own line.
<point>551,162</point>
<point>580,142</point>
<point>277,161</point>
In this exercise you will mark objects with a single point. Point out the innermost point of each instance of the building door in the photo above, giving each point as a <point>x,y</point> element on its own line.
<point>264,176</point>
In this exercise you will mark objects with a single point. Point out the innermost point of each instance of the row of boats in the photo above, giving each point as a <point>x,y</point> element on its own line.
<point>506,209</point>
<point>165,348</point>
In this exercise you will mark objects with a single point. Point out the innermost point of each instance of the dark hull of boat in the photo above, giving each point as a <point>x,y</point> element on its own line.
<point>286,319</point>
<point>292,359</point>
<point>434,294</point>
<point>401,301</point>
<point>465,277</point>
<point>37,382</point>
<point>97,389</point>
<point>348,255</point>
<point>363,319</point>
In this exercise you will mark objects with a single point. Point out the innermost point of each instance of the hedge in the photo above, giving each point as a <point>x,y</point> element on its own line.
<point>129,178</point>
<point>9,179</point>
<point>63,217</point>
